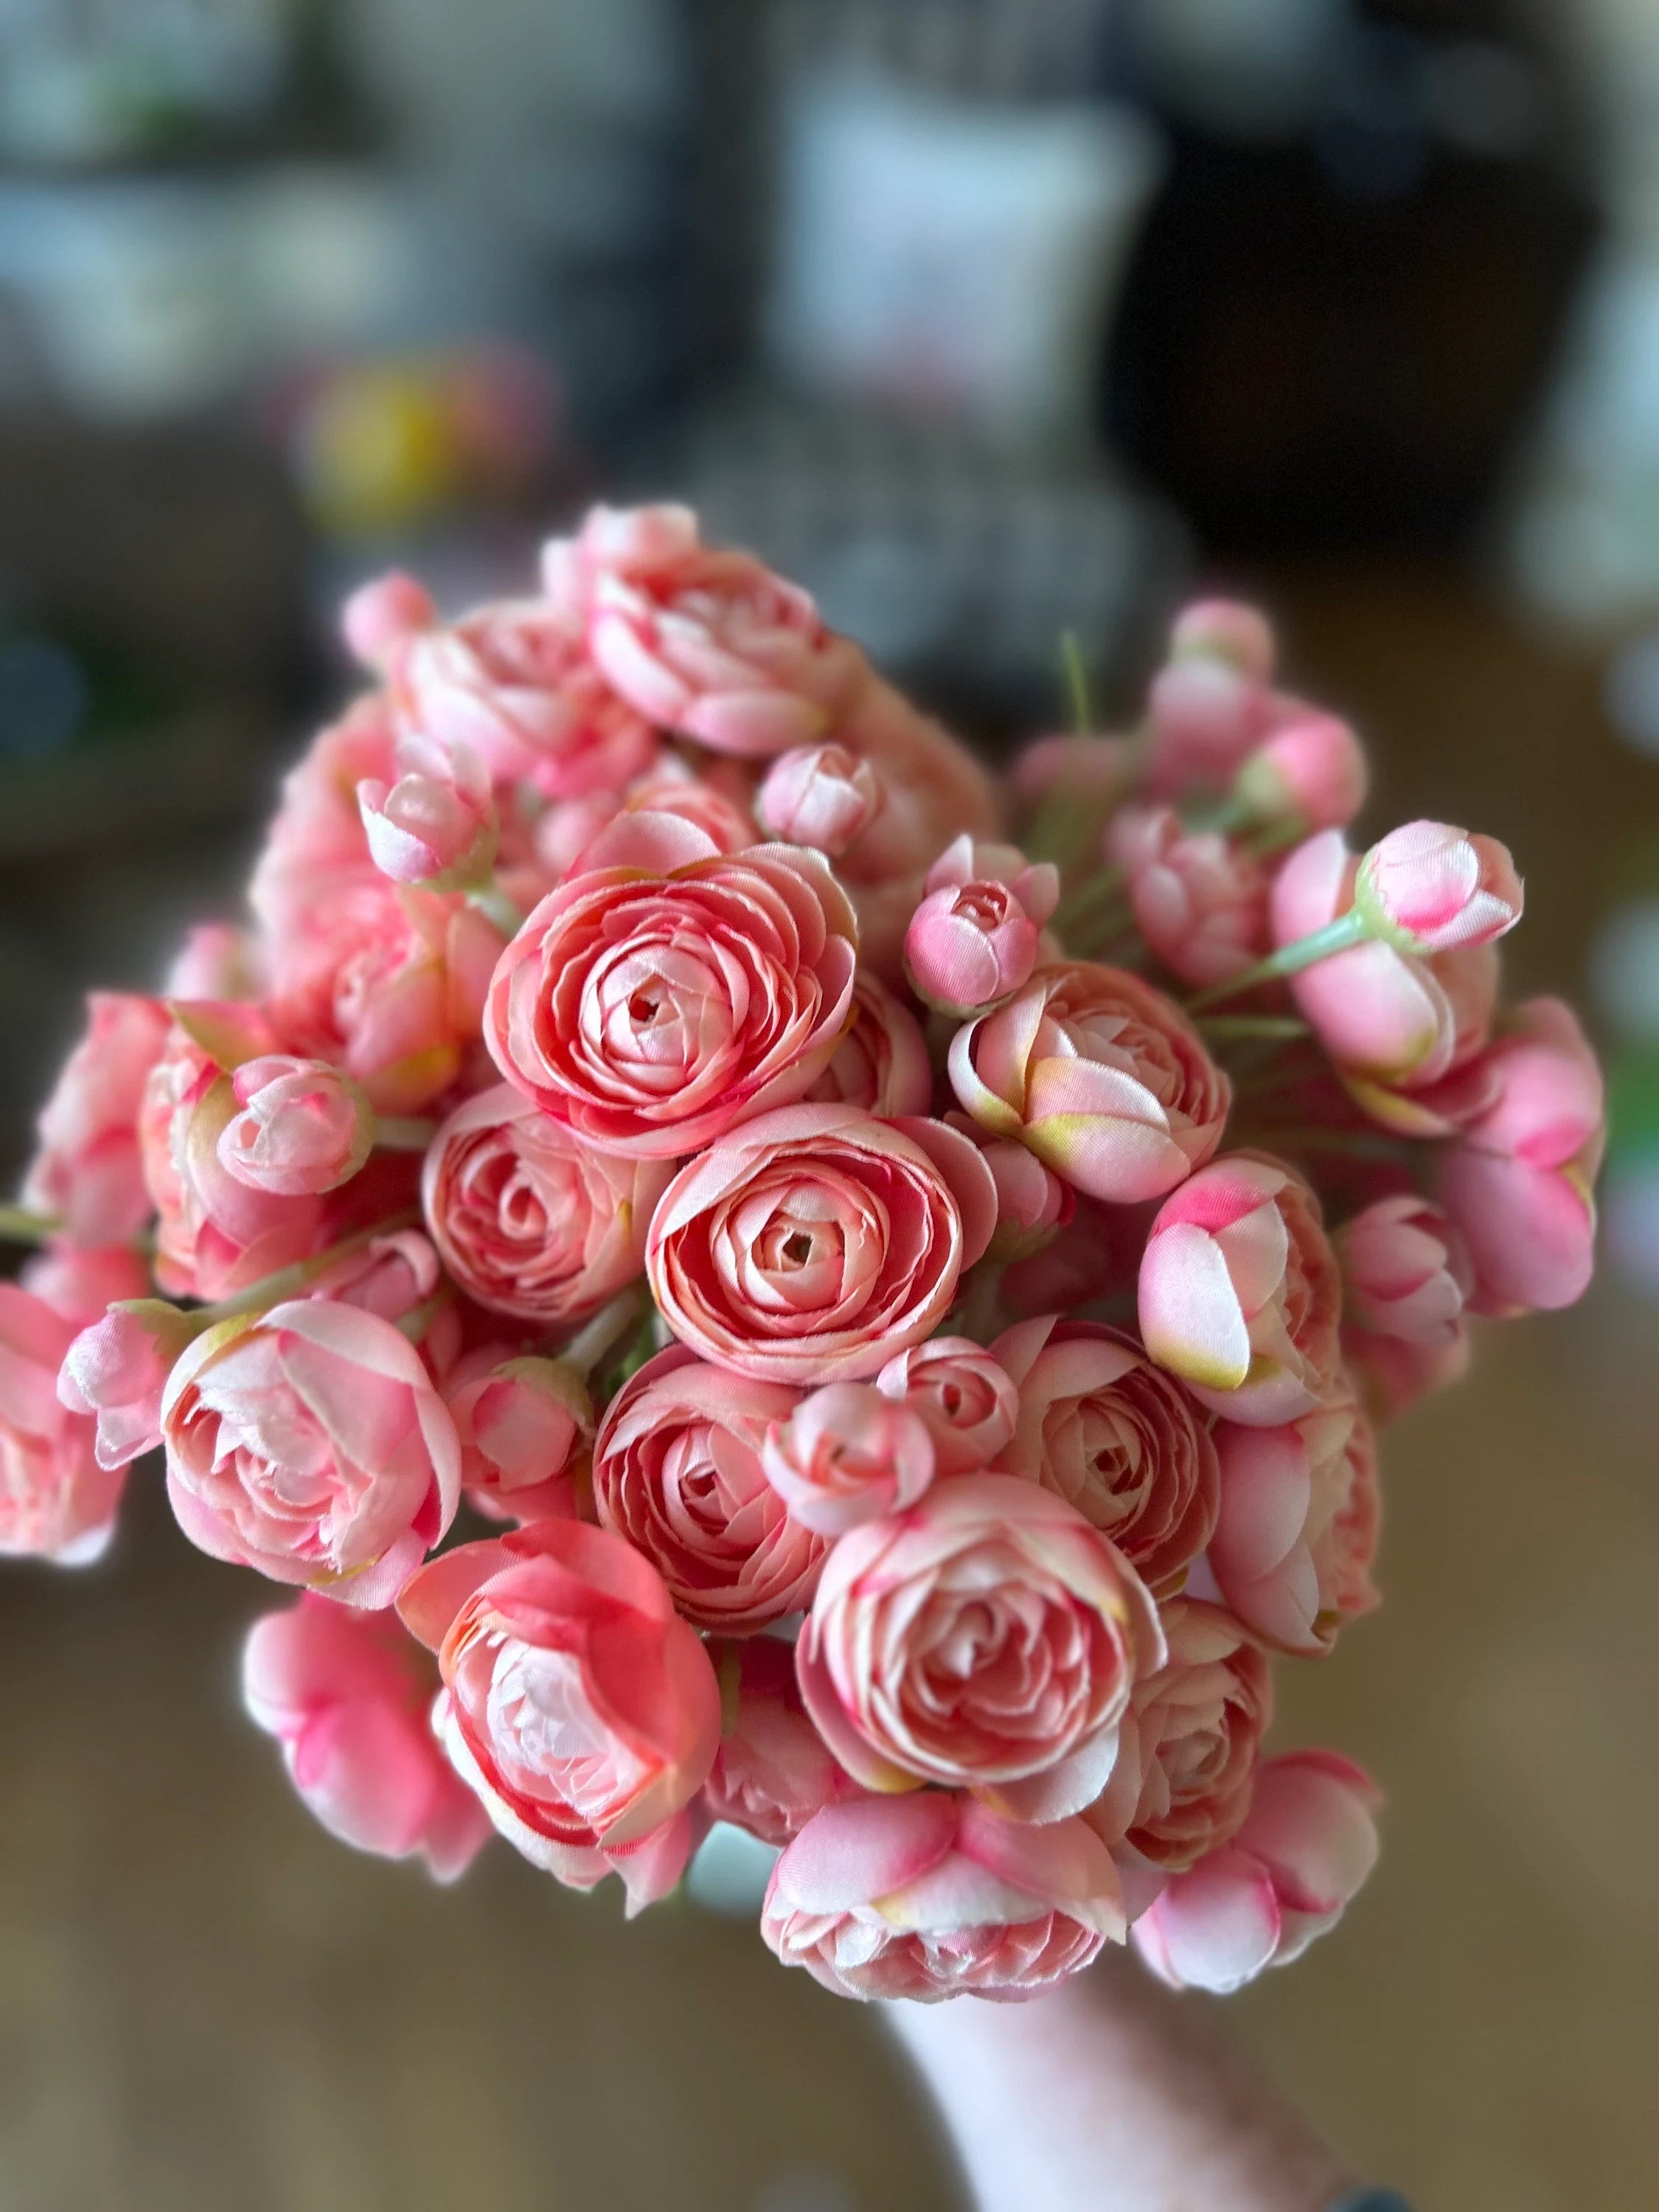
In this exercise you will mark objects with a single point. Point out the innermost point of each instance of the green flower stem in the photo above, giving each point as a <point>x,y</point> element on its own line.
<point>1076,682</point>
<point>493,902</point>
<point>612,1323</point>
<point>288,1282</point>
<point>403,1132</point>
<point>1096,899</point>
<point>1347,930</point>
<point>19,1227</point>
<point>1253,1025</point>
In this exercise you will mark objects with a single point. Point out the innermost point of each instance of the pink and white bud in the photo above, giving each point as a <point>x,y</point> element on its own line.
<point>304,1127</point>
<point>381,614</point>
<point>1204,717</point>
<point>965,1396</point>
<point>117,1369</point>
<point>847,1455</point>
<point>1227,630</point>
<point>436,826</point>
<point>1407,1271</point>
<point>1312,770</point>
<point>821,795</point>
<point>1429,888</point>
<point>216,960</point>
<point>1303,1853</point>
<point>1199,899</point>
<point>525,1428</point>
<point>975,938</point>
<point>1033,1204</point>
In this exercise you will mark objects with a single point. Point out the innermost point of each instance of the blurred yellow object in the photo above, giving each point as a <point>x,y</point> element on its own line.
<point>377,449</point>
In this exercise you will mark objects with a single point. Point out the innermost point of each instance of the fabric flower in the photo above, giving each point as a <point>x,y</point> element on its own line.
<point>880,1060</point>
<point>436,824</point>
<point>1311,770</point>
<point>87,1172</point>
<point>309,1443</point>
<point>1102,1077</point>
<point>812,1245</point>
<point>931,1896</point>
<point>676,1470</point>
<point>1429,888</point>
<point>116,1371</point>
<point>348,1696</point>
<point>821,795</point>
<point>531,1220</point>
<point>578,1705</point>
<point>974,939</point>
<point>1199,899</point>
<point>525,1428</point>
<point>1104,1429</point>
<point>773,1770</point>
<point>963,1393</point>
<point>847,1455</point>
<point>303,1129</point>
<point>57,1502</point>
<point>1405,1271</point>
<point>987,1639</point>
<point>669,991</point>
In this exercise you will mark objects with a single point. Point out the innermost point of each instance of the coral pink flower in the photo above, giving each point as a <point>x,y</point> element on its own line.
<point>81,1282</point>
<point>317,833</point>
<point>116,1368</point>
<point>847,1455</point>
<point>712,644</point>
<point>1188,1742</point>
<point>821,795</point>
<point>1102,1077</point>
<point>348,1696</point>
<point>974,939</point>
<point>217,960</point>
<point>87,1171</point>
<point>1406,1270</point>
<point>1311,770</point>
<point>880,1061</point>
<point>1297,1533</point>
<point>773,1771</point>
<point>1429,888</point>
<point>310,1444</point>
<point>526,1429</point>
<point>813,1244</point>
<point>580,1707</point>
<point>1199,899</point>
<point>671,990</point>
<point>1239,1291</point>
<point>532,1220</point>
<point>57,1502</point>
<point>1228,630</point>
<point>1467,979</point>
<point>384,613</point>
<point>721,812</point>
<point>1117,1438</point>
<point>1519,1182</point>
<point>676,1470</point>
<point>1302,1856</point>
<point>987,1639</point>
<point>1376,1011</point>
<point>1210,703</point>
<point>964,1393</point>
<point>931,1896</point>
<point>436,824</point>
<point>303,1127</point>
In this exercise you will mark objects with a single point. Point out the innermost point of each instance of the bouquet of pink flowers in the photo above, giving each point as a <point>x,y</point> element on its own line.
<point>900,1316</point>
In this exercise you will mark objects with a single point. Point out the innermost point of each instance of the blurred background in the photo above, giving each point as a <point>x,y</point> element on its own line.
<point>986,319</point>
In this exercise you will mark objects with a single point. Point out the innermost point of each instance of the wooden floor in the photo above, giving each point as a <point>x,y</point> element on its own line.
<point>205,2006</point>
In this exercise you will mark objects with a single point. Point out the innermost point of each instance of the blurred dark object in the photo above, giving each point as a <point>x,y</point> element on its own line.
<point>1338,322</point>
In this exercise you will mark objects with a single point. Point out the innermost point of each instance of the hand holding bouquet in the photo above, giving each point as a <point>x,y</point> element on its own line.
<point>744,1271</point>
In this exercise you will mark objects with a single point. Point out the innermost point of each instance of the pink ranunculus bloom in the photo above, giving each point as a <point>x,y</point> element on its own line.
<point>987,1640</point>
<point>1311,770</point>
<point>821,795</point>
<point>310,1444</point>
<point>531,1220</point>
<point>1299,1522</point>
<point>1429,888</point>
<point>317,833</point>
<point>964,1393</point>
<point>1104,1429</point>
<point>116,1368</point>
<point>1104,1078</point>
<point>718,800</point>
<point>812,1245</point>
<point>678,1471</point>
<point>526,1429</point>
<point>303,1127</point>
<point>1189,1743</point>
<point>880,1061</point>
<point>217,1232</point>
<point>436,824</point>
<point>384,613</point>
<point>57,1502</point>
<point>1405,1272</point>
<point>1228,630</point>
<point>578,1705</point>
<point>846,1455</point>
<point>1199,899</point>
<point>1302,1856</point>
<point>773,1770</point>
<point>217,960</point>
<point>974,939</point>
<point>1240,1293</point>
<point>81,1282</point>
<point>349,1697</point>
<point>1033,1204</point>
<point>711,643</point>
<point>1206,714</point>
<point>670,990</point>
<point>1519,1182</point>
<point>1380,1013</point>
<point>934,1896</point>
<point>1442,1103</point>
<point>1073,764</point>
<point>1391,1376</point>
<point>87,1172</point>
<point>936,790</point>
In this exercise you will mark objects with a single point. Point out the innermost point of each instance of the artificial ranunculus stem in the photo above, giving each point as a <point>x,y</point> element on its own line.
<point>19,1227</point>
<point>289,1282</point>
<point>493,902</point>
<point>1103,889</point>
<point>1076,682</point>
<point>1253,1025</point>
<point>403,1132</point>
<point>1338,936</point>
<point>588,1348</point>
<point>416,1322</point>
